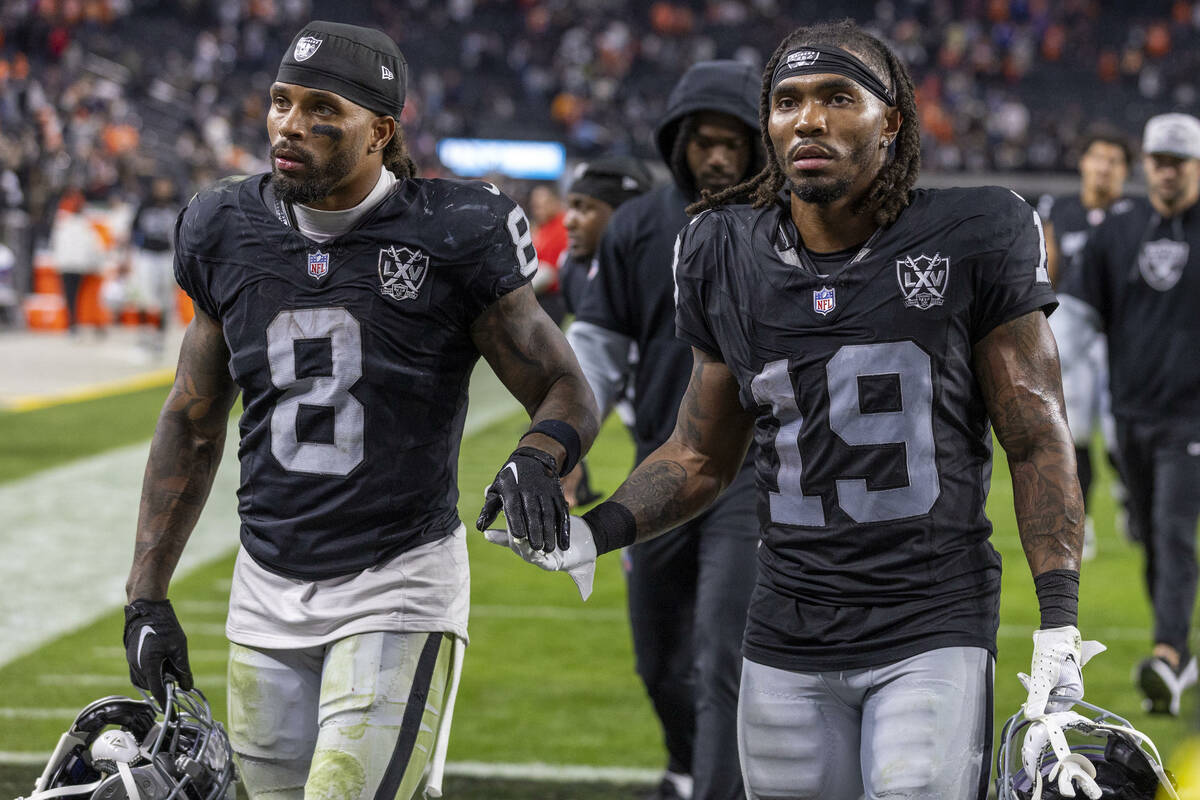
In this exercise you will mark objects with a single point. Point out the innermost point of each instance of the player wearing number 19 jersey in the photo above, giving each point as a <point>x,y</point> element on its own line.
<point>875,444</point>
<point>867,337</point>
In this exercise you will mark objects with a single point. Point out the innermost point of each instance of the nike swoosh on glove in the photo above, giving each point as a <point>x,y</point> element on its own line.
<point>1055,679</point>
<point>155,647</point>
<point>528,489</point>
<point>1071,770</point>
<point>578,560</point>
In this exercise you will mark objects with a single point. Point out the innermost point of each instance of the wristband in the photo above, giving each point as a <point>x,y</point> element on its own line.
<point>1058,597</point>
<point>565,435</point>
<point>612,525</point>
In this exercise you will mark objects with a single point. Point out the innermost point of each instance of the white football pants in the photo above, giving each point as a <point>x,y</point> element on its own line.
<point>353,720</point>
<point>919,729</point>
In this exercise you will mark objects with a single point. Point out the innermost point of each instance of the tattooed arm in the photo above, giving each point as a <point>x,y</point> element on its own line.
<point>688,471</point>
<point>532,358</point>
<point>530,355</point>
<point>184,455</point>
<point>1017,368</point>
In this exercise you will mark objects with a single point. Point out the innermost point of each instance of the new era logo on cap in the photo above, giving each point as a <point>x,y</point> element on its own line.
<point>387,73</point>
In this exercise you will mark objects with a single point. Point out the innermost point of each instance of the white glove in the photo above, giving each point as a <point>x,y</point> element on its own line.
<point>578,560</point>
<point>1071,770</point>
<point>1055,681</point>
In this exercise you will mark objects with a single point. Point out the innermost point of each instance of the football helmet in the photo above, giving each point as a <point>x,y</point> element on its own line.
<point>119,748</point>
<point>1037,758</point>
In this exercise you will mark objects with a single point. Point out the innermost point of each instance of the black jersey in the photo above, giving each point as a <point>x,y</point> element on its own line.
<point>573,276</point>
<point>874,442</point>
<point>353,357</point>
<point>631,294</point>
<point>1072,223</point>
<point>152,226</point>
<point>1141,274</point>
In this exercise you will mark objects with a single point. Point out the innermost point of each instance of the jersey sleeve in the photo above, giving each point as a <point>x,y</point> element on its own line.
<point>508,258</point>
<point>608,301</point>
<point>694,271</point>
<point>191,273</point>
<point>1011,278</point>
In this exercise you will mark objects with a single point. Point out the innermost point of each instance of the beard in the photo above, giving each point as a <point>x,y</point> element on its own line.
<point>317,181</point>
<point>823,190</point>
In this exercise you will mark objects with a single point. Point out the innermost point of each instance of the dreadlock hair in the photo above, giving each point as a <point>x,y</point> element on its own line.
<point>888,193</point>
<point>396,158</point>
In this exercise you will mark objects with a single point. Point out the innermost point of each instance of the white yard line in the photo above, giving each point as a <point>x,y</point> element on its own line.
<point>66,534</point>
<point>551,773</point>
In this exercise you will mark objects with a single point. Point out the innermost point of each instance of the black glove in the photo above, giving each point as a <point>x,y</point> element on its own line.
<point>155,647</point>
<point>528,490</point>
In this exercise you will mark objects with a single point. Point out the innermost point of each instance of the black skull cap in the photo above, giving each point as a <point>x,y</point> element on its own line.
<point>360,64</point>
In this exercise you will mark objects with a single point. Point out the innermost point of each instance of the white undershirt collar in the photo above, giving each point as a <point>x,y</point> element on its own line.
<point>321,226</point>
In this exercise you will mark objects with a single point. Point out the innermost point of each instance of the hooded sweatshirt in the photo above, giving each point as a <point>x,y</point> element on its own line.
<point>631,297</point>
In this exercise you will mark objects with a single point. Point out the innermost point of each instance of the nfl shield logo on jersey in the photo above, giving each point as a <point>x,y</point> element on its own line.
<point>923,280</point>
<point>1162,262</point>
<point>824,300</point>
<point>402,270</point>
<point>305,48</point>
<point>318,264</point>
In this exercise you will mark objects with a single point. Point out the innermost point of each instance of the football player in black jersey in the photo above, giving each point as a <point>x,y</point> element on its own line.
<point>347,301</point>
<point>688,592</point>
<point>868,337</point>
<point>1103,167</point>
<point>1138,281</point>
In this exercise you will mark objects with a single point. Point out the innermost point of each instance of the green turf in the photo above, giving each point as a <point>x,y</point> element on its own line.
<point>550,690</point>
<point>37,440</point>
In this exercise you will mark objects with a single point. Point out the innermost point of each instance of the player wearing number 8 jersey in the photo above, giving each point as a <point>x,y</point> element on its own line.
<point>347,301</point>
<point>866,336</point>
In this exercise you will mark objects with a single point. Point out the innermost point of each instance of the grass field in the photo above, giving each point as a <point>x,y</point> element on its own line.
<point>547,679</point>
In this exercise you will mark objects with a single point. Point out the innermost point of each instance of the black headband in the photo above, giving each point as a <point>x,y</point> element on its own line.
<point>815,59</point>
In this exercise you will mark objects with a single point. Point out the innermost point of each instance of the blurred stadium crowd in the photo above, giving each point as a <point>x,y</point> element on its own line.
<point>98,95</point>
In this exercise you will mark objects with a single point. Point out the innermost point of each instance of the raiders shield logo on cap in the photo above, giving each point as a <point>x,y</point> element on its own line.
<point>306,47</point>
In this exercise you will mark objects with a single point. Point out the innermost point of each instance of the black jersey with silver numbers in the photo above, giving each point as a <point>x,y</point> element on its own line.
<point>874,442</point>
<point>1141,274</point>
<point>1071,225</point>
<point>353,357</point>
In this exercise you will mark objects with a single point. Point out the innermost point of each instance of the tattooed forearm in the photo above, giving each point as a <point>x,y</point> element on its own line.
<point>691,469</point>
<point>1018,371</point>
<point>660,496</point>
<point>184,454</point>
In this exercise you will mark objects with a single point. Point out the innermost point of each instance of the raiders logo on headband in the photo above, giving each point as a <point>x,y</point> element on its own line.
<point>802,58</point>
<point>306,47</point>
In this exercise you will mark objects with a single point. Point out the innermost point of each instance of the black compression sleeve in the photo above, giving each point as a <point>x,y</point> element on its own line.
<point>565,435</point>
<point>613,526</point>
<point>1058,597</point>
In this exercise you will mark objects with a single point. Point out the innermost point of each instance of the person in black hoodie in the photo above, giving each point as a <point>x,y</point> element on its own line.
<point>688,592</point>
<point>597,189</point>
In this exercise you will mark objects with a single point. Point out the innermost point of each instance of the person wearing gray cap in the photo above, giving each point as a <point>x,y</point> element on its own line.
<point>347,301</point>
<point>1138,281</point>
